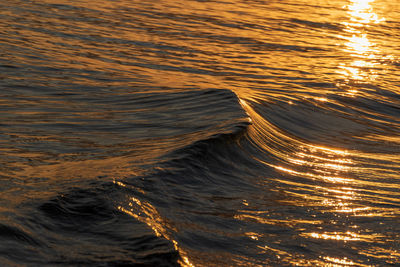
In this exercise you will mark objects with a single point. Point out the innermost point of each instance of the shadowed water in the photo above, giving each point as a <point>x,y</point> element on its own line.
<point>199,133</point>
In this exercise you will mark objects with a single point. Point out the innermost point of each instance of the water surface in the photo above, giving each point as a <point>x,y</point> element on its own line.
<point>200,133</point>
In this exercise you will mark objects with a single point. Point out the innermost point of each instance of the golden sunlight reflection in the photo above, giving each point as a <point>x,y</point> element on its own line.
<point>323,163</point>
<point>305,160</point>
<point>362,67</point>
<point>339,262</point>
<point>146,213</point>
<point>392,256</point>
<point>338,195</point>
<point>358,44</point>
<point>344,236</point>
<point>361,13</point>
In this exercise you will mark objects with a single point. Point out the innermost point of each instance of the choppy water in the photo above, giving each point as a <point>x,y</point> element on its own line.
<point>199,133</point>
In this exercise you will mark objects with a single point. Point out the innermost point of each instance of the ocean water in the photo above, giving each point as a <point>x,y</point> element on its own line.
<point>199,133</point>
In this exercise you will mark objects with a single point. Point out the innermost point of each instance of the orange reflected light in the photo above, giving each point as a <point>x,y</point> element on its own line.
<point>344,236</point>
<point>359,44</point>
<point>335,160</point>
<point>147,214</point>
<point>362,64</point>
<point>359,70</point>
<point>360,4</point>
<point>380,253</point>
<point>362,13</point>
<point>353,73</point>
<point>254,236</point>
<point>331,179</point>
<point>338,261</point>
<point>326,166</point>
<point>348,236</point>
<point>325,163</point>
<point>321,99</point>
<point>333,152</point>
<point>352,210</point>
<point>342,191</point>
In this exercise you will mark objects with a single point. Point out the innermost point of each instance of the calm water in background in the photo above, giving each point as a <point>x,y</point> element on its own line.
<point>200,133</point>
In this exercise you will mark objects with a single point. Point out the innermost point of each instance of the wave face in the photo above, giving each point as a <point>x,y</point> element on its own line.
<point>199,133</point>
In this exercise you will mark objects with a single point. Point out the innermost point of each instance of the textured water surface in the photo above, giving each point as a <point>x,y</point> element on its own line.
<point>199,133</point>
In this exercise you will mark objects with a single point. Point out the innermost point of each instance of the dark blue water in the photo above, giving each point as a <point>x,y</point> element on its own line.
<point>199,133</point>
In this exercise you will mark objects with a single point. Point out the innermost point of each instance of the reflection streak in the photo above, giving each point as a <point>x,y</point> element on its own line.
<point>358,45</point>
<point>146,213</point>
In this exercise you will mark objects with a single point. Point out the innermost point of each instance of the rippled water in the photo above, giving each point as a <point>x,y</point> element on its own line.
<point>200,133</point>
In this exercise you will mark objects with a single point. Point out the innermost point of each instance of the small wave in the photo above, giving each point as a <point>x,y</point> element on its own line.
<point>17,235</point>
<point>109,236</point>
